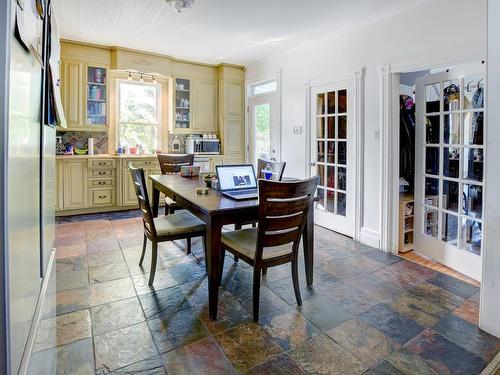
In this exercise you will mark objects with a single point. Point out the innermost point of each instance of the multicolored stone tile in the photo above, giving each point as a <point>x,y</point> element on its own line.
<point>176,329</point>
<point>73,326</point>
<point>150,366</point>
<point>453,285</point>
<point>321,355</point>
<point>110,272</point>
<point>396,279</point>
<point>382,257</point>
<point>419,309</point>
<point>247,345</point>
<point>123,347</point>
<point>284,289</point>
<point>67,280</point>
<point>280,365</point>
<point>104,258</point>
<point>230,313</point>
<point>443,355</point>
<point>288,328</point>
<point>468,336</point>
<point>163,279</point>
<point>111,291</point>
<point>115,315</point>
<point>324,313</point>
<point>375,288</point>
<point>164,301</point>
<point>406,267</point>
<point>76,358</point>
<point>405,362</point>
<point>369,345</point>
<point>269,301</point>
<point>352,300</point>
<point>396,326</point>
<point>72,300</point>
<point>436,296</point>
<point>102,244</point>
<point>200,357</point>
<point>70,251</point>
<point>468,311</point>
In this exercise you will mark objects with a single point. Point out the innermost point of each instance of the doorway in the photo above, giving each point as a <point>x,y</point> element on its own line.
<point>264,122</point>
<point>333,132</point>
<point>441,171</point>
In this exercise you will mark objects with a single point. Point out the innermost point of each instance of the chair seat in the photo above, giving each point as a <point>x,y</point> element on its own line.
<point>171,203</point>
<point>244,241</point>
<point>178,223</point>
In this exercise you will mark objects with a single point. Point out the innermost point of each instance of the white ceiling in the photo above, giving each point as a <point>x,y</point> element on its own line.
<point>234,31</point>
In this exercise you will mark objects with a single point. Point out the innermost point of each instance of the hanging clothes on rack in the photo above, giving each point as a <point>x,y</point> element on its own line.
<point>407,140</point>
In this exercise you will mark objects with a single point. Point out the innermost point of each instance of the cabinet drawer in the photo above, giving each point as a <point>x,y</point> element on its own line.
<point>103,173</point>
<point>101,182</point>
<point>102,163</point>
<point>104,197</point>
<point>141,163</point>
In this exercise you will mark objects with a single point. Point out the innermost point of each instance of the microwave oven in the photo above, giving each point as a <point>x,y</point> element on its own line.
<point>202,146</point>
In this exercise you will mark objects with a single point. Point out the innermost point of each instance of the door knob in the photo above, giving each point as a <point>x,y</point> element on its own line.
<point>312,164</point>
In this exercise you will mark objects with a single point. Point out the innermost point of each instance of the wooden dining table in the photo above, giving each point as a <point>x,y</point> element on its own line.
<point>217,210</point>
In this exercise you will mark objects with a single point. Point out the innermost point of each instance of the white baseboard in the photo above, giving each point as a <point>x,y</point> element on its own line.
<point>369,237</point>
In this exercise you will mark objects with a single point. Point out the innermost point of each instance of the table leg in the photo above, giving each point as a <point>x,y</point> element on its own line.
<point>214,229</point>
<point>308,242</point>
<point>156,201</point>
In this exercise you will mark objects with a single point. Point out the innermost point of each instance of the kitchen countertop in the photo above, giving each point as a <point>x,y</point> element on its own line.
<point>104,156</point>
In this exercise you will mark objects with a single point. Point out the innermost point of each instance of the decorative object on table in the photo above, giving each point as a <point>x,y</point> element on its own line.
<point>189,171</point>
<point>207,179</point>
<point>90,146</point>
<point>69,150</point>
<point>79,151</point>
<point>201,190</point>
<point>268,172</point>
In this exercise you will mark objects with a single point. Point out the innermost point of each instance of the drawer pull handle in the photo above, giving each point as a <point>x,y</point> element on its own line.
<point>102,196</point>
<point>102,182</point>
<point>102,163</point>
<point>101,173</point>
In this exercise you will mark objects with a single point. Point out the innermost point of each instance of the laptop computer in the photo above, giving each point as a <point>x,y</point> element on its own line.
<point>237,181</point>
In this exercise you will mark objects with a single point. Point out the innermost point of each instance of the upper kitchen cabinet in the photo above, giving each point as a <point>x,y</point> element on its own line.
<point>195,106</point>
<point>72,89</point>
<point>234,101</point>
<point>182,105</point>
<point>96,97</point>
<point>205,106</point>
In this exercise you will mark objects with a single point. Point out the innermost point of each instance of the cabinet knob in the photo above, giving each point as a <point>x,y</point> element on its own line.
<point>102,173</point>
<point>101,182</point>
<point>101,196</point>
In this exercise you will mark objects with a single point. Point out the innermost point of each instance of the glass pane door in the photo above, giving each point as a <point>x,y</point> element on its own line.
<point>450,181</point>
<point>331,140</point>
<point>182,103</point>
<point>96,96</point>
<point>332,155</point>
<point>262,122</point>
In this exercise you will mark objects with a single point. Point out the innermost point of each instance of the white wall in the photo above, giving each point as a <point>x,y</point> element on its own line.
<point>489,317</point>
<point>440,28</point>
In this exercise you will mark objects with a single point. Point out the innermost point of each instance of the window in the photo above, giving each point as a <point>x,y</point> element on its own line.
<point>139,115</point>
<point>264,88</point>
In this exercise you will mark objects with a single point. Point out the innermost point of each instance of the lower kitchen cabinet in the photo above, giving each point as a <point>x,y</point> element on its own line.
<point>75,184</point>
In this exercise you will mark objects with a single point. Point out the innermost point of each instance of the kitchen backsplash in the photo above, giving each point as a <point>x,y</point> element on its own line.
<point>181,138</point>
<point>79,140</point>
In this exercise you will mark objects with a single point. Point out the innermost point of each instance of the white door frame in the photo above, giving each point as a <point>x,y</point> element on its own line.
<point>389,192</point>
<point>358,95</point>
<point>248,93</point>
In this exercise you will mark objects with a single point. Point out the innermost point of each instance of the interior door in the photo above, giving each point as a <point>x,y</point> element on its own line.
<point>332,155</point>
<point>449,181</point>
<point>264,134</point>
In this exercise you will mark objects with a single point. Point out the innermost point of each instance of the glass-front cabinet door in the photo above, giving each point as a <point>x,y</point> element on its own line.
<point>182,102</point>
<point>96,96</point>
<point>449,181</point>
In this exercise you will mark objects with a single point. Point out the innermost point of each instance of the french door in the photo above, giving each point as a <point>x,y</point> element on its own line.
<point>332,155</point>
<point>449,181</point>
<point>264,131</point>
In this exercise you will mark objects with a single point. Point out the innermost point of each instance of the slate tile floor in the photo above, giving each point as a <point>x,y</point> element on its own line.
<point>368,313</point>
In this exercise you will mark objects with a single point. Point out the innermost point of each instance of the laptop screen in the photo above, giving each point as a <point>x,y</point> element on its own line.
<point>236,177</point>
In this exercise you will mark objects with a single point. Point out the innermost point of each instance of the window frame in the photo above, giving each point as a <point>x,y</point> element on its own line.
<point>158,111</point>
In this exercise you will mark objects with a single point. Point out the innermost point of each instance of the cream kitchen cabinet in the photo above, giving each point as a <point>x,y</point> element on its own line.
<point>72,93</point>
<point>205,106</point>
<point>150,167</point>
<point>59,202</point>
<point>233,98</point>
<point>75,184</point>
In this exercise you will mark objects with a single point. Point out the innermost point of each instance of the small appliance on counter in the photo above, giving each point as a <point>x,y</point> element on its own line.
<point>60,148</point>
<point>90,146</point>
<point>176,144</point>
<point>202,146</point>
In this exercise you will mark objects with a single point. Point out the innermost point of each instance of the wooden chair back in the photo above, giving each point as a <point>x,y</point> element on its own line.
<point>172,163</point>
<point>278,168</point>
<point>283,208</point>
<point>142,197</point>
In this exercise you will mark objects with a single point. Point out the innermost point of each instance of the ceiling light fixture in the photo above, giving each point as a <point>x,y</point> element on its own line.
<point>180,5</point>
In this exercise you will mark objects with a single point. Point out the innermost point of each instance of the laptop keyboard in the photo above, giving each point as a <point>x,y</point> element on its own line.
<point>242,192</point>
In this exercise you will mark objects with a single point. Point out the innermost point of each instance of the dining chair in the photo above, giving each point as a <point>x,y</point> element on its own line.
<point>171,164</point>
<point>278,168</point>
<point>283,208</point>
<point>179,225</point>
